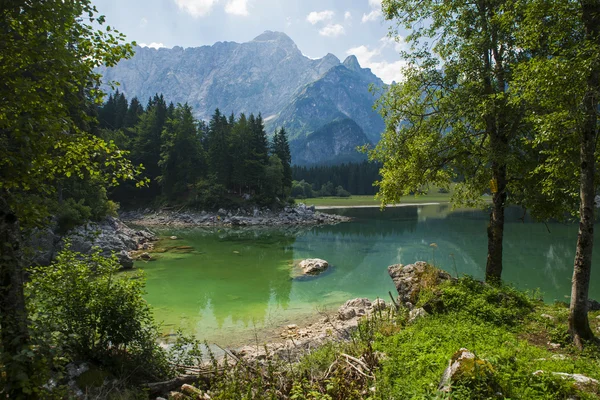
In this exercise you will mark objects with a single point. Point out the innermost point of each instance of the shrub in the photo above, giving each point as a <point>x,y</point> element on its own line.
<point>341,192</point>
<point>498,305</point>
<point>83,309</point>
<point>72,213</point>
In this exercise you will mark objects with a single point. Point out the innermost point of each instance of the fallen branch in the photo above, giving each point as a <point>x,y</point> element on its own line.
<point>166,386</point>
<point>356,360</point>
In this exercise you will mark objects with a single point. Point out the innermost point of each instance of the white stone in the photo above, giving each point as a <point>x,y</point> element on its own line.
<point>313,266</point>
<point>416,314</point>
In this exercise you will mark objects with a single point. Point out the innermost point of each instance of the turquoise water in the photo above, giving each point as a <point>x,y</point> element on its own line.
<point>238,284</point>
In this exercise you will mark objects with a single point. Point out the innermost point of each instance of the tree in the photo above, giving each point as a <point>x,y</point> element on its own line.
<point>218,141</point>
<point>281,148</point>
<point>258,156</point>
<point>239,150</point>
<point>560,86</point>
<point>48,85</point>
<point>182,155</point>
<point>450,120</point>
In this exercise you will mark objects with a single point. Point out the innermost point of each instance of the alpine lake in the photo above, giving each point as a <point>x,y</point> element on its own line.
<point>235,286</point>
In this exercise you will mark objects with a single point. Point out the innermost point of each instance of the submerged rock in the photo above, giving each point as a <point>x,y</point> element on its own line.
<point>313,266</point>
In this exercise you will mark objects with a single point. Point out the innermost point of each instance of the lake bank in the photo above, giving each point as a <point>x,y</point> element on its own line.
<point>297,215</point>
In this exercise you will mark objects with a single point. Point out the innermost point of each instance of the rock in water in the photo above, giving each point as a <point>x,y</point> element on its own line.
<point>313,266</point>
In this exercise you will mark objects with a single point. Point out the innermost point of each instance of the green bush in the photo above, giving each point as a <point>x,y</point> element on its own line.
<point>84,310</point>
<point>72,213</point>
<point>341,192</point>
<point>498,305</point>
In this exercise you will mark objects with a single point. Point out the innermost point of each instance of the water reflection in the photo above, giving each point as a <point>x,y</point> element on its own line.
<point>239,280</point>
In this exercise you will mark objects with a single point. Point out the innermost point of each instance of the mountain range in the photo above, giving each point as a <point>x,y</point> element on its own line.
<point>325,105</point>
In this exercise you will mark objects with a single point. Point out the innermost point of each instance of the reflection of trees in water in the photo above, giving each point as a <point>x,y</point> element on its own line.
<point>239,274</point>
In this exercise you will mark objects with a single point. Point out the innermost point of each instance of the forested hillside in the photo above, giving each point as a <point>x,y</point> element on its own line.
<point>226,162</point>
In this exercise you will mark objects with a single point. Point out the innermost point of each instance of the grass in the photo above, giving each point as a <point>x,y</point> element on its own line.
<point>367,200</point>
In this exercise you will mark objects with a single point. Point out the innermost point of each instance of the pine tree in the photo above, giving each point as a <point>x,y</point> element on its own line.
<point>281,148</point>
<point>182,160</point>
<point>258,153</point>
<point>218,146</point>
<point>134,113</point>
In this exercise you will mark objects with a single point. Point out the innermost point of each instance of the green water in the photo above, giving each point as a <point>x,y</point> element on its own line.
<point>237,285</point>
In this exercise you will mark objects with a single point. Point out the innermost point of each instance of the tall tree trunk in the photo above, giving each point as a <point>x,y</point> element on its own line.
<point>13,315</point>
<point>495,231</point>
<point>579,326</point>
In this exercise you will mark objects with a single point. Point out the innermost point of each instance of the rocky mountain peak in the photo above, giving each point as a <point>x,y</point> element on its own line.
<point>279,38</point>
<point>351,62</point>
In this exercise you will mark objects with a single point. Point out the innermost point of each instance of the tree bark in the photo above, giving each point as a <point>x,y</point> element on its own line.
<point>579,326</point>
<point>14,334</point>
<point>495,231</point>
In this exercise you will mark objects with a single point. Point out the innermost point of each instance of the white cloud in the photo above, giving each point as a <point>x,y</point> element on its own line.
<point>332,30</point>
<point>153,45</point>
<point>363,53</point>
<point>237,7</point>
<point>315,17</point>
<point>196,8</point>
<point>387,71</point>
<point>372,16</point>
<point>143,22</point>
<point>347,15</point>
<point>375,13</point>
<point>399,43</point>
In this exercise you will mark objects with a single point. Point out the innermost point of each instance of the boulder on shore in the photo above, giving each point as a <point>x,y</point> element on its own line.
<point>410,279</point>
<point>313,266</point>
<point>110,235</point>
<point>354,308</point>
<point>464,365</point>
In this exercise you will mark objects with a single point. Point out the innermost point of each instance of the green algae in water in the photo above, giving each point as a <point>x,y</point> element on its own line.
<point>237,284</point>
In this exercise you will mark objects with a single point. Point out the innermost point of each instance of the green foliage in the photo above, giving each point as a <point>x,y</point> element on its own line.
<point>357,178</point>
<point>341,192</point>
<point>83,200</point>
<point>181,155</point>
<point>71,214</point>
<point>81,308</point>
<point>52,84</point>
<point>302,190</point>
<point>502,306</point>
<point>208,194</point>
<point>418,355</point>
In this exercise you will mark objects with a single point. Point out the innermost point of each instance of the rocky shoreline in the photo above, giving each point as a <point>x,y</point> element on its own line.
<point>299,215</point>
<point>296,341</point>
<point>115,236</point>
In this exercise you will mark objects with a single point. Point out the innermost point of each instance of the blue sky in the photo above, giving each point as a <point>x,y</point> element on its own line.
<point>318,27</point>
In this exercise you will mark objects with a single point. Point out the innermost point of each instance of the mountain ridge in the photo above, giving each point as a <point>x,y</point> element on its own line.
<point>268,74</point>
